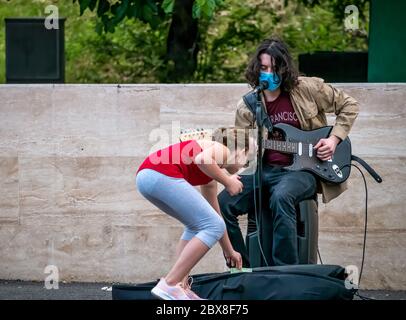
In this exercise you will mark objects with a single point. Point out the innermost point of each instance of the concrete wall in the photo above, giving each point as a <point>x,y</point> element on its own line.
<point>68,156</point>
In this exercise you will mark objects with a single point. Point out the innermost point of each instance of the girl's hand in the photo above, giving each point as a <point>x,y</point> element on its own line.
<point>234,186</point>
<point>233,259</point>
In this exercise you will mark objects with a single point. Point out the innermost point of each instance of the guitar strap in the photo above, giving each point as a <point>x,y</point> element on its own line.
<point>250,99</point>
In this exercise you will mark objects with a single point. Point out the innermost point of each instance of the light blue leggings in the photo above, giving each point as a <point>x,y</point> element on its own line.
<point>179,199</point>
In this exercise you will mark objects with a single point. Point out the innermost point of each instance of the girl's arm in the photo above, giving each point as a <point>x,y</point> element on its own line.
<point>208,160</point>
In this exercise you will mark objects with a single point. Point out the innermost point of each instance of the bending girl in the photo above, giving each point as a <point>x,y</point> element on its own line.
<point>167,178</point>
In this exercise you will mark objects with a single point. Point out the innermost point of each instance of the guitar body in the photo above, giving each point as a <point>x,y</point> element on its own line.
<point>336,170</point>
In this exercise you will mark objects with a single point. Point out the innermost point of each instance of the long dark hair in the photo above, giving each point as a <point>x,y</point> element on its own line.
<point>284,66</point>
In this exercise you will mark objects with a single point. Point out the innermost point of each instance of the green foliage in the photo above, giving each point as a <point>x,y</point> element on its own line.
<point>135,52</point>
<point>113,12</point>
<point>153,12</point>
<point>201,8</point>
<point>232,36</point>
<point>132,54</point>
<point>205,8</point>
<point>338,6</point>
<point>167,6</point>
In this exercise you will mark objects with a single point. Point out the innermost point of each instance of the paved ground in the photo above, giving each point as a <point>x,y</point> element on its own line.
<point>27,290</point>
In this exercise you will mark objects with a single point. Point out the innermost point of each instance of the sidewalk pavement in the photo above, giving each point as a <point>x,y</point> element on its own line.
<point>29,290</point>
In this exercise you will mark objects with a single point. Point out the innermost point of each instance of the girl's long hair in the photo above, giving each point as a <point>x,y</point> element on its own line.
<point>232,137</point>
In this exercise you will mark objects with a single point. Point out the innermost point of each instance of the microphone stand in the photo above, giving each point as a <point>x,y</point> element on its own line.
<point>261,119</point>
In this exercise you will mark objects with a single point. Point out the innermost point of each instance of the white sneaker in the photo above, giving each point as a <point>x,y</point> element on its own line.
<point>188,289</point>
<point>166,292</point>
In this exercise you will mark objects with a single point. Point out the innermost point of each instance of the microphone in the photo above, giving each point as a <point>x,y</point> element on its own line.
<point>262,86</point>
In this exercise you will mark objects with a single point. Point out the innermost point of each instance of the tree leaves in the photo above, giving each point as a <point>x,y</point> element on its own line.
<point>112,12</point>
<point>167,6</point>
<point>119,11</point>
<point>84,4</point>
<point>204,8</point>
<point>154,12</point>
<point>229,33</point>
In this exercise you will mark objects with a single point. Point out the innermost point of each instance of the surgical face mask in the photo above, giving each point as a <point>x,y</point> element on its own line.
<point>272,78</point>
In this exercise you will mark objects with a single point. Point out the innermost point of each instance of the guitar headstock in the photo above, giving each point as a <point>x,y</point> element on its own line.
<point>195,134</point>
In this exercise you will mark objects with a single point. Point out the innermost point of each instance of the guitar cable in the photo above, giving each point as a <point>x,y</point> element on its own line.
<point>365,224</point>
<point>379,180</point>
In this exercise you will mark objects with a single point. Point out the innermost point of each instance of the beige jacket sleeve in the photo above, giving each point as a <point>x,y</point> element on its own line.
<point>243,116</point>
<point>333,100</point>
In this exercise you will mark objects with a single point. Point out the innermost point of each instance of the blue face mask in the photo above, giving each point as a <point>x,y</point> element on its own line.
<point>272,78</point>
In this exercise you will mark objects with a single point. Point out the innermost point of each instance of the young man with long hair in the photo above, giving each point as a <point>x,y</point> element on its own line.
<point>301,102</point>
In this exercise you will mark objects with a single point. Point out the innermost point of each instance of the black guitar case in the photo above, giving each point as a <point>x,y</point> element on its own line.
<point>293,282</point>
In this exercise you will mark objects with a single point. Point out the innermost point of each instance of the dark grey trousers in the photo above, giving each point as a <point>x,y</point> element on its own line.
<point>285,189</point>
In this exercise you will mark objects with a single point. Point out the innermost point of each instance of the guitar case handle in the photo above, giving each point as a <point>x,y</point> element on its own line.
<point>368,168</point>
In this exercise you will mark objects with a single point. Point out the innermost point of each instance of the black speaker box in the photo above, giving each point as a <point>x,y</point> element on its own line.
<point>335,66</point>
<point>34,53</point>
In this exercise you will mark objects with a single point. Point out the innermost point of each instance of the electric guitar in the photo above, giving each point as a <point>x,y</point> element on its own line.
<point>301,144</point>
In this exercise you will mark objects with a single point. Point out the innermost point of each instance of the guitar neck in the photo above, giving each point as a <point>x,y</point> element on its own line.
<point>282,146</point>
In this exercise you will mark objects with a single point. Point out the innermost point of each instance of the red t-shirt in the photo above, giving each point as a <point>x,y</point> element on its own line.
<point>280,111</point>
<point>177,161</point>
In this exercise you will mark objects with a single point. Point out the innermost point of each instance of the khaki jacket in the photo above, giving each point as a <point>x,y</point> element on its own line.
<point>312,98</point>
